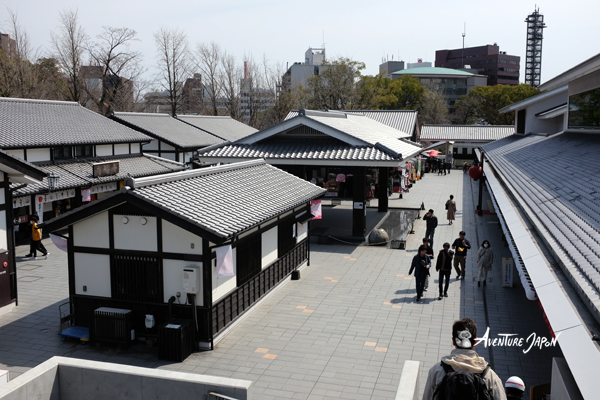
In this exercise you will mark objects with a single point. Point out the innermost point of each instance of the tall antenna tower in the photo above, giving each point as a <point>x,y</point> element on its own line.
<point>535,34</point>
<point>462,54</point>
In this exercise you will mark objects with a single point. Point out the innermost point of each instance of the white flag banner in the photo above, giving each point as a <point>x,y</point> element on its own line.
<point>224,261</point>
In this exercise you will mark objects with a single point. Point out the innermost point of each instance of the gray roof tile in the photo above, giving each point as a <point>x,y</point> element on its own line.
<point>228,199</point>
<point>471,133</point>
<point>78,172</point>
<point>29,123</point>
<point>223,127</point>
<point>169,129</point>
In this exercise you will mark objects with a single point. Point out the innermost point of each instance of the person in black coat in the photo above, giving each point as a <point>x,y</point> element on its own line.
<point>420,264</point>
<point>444,266</point>
<point>432,223</point>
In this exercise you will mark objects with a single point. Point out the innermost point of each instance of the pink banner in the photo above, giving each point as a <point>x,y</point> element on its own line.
<point>315,209</point>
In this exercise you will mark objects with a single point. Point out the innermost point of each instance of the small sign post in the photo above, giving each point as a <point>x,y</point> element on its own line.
<point>507,272</point>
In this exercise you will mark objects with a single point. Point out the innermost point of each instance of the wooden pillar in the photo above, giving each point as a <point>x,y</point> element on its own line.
<point>384,174</point>
<point>359,216</point>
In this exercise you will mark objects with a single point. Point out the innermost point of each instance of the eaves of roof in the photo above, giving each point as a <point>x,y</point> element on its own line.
<point>533,99</point>
<point>22,166</point>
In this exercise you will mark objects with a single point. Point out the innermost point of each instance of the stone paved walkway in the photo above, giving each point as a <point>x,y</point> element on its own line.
<point>341,332</point>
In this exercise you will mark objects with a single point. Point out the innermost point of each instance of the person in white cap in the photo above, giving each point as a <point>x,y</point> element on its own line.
<point>515,388</point>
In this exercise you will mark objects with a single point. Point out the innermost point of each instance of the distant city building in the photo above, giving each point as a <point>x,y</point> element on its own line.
<point>450,84</point>
<point>501,68</point>
<point>253,98</point>
<point>118,90</point>
<point>7,45</point>
<point>389,67</point>
<point>299,73</point>
<point>419,64</point>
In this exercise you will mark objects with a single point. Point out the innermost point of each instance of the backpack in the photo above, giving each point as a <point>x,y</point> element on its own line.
<point>460,385</point>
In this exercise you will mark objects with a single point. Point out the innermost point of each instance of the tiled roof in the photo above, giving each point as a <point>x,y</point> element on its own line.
<point>223,127</point>
<point>299,149</point>
<point>28,123</point>
<point>169,129</point>
<point>562,193</point>
<point>11,164</point>
<point>79,172</point>
<point>227,199</point>
<point>402,120</point>
<point>466,133</point>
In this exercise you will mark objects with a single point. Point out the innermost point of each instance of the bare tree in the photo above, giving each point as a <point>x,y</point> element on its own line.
<point>115,68</point>
<point>208,59</point>
<point>69,48</point>
<point>258,90</point>
<point>173,64</point>
<point>230,81</point>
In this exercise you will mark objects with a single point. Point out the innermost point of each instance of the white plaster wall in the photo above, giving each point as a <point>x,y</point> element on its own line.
<point>153,145</point>
<point>168,156</point>
<point>165,146</point>
<point>223,285</point>
<point>122,148</point>
<point>2,198</point>
<point>34,155</point>
<point>104,150</point>
<point>133,235</point>
<point>553,125</point>
<point>93,271</point>
<point>92,232</point>
<point>269,246</point>
<point>178,240</point>
<point>3,235</point>
<point>135,148</point>
<point>17,153</point>
<point>173,280</point>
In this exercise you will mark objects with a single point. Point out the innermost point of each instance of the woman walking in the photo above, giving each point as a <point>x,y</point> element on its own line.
<point>485,259</point>
<point>451,207</point>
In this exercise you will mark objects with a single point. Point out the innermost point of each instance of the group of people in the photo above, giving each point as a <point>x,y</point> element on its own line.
<point>450,256</point>
<point>465,375</point>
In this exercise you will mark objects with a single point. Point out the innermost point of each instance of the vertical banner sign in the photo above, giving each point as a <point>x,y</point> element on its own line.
<point>419,168</point>
<point>39,207</point>
<point>507,272</point>
<point>224,261</point>
<point>315,209</point>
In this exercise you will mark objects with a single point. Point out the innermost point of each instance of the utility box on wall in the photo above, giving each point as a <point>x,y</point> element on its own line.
<point>191,279</point>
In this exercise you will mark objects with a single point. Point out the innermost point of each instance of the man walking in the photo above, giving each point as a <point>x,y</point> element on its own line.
<point>444,266</point>
<point>463,374</point>
<point>432,223</point>
<point>420,264</point>
<point>460,245</point>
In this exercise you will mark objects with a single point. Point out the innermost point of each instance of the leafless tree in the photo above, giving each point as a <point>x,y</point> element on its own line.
<point>258,90</point>
<point>208,59</point>
<point>69,46</point>
<point>173,64</point>
<point>230,82</point>
<point>115,68</point>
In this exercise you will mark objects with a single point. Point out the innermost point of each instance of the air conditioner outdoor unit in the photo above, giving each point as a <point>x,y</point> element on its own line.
<point>191,279</point>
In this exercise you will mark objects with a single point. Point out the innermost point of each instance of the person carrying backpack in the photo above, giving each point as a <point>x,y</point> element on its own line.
<point>463,374</point>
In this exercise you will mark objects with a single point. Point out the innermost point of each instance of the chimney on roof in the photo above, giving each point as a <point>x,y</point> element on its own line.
<point>245,69</point>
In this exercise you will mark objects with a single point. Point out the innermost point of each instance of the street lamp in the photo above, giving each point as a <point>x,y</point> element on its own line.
<point>53,181</point>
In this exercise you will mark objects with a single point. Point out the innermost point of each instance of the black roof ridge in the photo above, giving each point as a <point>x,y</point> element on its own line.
<point>117,113</point>
<point>207,116</point>
<point>194,173</point>
<point>472,125</point>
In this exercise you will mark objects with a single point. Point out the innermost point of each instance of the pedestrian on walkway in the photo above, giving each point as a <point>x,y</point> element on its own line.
<point>448,166</point>
<point>444,267</point>
<point>485,259</point>
<point>432,223</point>
<point>36,239</point>
<point>442,168</point>
<point>429,252</point>
<point>420,264</point>
<point>451,207</point>
<point>515,388</point>
<point>463,374</point>
<point>465,167</point>
<point>460,245</point>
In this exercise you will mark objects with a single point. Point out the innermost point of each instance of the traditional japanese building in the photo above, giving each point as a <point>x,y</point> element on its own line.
<point>202,245</point>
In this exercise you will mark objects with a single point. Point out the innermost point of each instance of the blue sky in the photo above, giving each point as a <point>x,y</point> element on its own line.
<point>361,30</point>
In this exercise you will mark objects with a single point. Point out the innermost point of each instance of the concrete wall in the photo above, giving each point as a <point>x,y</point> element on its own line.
<point>92,271</point>
<point>153,145</point>
<point>563,385</point>
<point>173,280</point>
<point>34,155</point>
<point>165,146</point>
<point>122,148</point>
<point>135,148</point>
<point>62,378</point>
<point>133,235</point>
<point>92,232</point>
<point>225,284</point>
<point>534,124</point>
<point>408,388</point>
<point>104,150</point>
<point>178,240</point>
<point>269,247</point>
<point>168,156</point>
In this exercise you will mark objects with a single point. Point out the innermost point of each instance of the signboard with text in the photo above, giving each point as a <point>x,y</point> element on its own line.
<point>507,272</point>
